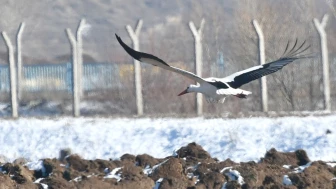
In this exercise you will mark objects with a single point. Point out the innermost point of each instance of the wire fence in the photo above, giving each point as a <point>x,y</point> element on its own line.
<point>58,77</point>
<point>160,88</point>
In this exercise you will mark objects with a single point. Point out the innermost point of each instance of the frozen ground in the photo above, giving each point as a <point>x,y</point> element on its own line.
<point>239,139</point>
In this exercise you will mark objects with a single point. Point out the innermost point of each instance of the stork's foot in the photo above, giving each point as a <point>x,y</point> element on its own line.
<point>241,95</point>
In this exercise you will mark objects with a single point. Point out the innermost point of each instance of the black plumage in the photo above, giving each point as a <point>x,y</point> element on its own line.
<point>270,67</point>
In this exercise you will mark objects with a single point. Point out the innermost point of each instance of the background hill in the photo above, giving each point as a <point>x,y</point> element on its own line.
<point>227,22</point>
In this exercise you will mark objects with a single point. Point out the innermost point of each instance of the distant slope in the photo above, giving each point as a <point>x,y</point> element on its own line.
<point>46,20</point>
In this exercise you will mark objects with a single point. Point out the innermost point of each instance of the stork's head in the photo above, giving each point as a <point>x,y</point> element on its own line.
<point>190,88</point>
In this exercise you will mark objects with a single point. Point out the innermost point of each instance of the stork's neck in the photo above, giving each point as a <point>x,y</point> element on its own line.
<point>194,88</point>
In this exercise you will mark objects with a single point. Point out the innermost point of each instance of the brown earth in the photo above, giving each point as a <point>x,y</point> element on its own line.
<point>191,168</point>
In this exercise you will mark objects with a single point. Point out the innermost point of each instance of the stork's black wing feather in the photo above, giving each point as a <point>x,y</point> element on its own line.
<point>138,55</point>
<point>155,61</point>
<point>246,76</point>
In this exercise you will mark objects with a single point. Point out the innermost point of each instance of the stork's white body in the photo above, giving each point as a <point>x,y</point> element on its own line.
<point>214,95</point>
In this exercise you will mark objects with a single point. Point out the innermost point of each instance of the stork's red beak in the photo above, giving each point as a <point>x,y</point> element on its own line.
<point>183,92</point>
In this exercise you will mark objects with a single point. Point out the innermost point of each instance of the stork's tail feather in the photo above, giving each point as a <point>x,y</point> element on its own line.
<point>243,94</point>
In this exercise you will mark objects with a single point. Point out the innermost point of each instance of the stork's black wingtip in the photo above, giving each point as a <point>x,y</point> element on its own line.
<point>118,38</point>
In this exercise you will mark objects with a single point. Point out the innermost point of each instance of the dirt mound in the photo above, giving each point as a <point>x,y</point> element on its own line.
<point>299,157</point>
<point>193,150</point>
<point>191,168</point>
<point>145,160</point>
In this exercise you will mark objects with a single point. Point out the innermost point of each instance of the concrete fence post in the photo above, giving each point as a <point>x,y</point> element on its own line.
<point>12,74</point>
<point>198,60</point>
<point>263,81</point>
<point>19,59</point>
<point>77,63</point>
<point>75,87</point>
<point>320,27</point>
<point>81,27</point>
<point>137,68</point>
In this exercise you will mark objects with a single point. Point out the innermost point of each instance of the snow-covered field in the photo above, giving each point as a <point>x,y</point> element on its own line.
<point>239,139</point>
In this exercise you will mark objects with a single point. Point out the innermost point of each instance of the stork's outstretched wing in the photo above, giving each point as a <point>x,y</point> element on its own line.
<point>240,78</point>
<point>155,61</point>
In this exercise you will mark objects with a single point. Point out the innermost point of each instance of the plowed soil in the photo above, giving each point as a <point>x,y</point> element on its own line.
<point>191,168</point>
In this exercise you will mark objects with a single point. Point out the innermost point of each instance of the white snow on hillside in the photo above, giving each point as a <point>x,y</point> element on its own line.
<point>239,139</point>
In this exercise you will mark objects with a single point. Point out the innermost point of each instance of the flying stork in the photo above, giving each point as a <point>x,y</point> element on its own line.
<point>217,89</point>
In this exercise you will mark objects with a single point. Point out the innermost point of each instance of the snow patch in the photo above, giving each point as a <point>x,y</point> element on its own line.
<point>113,174</point>
<point>224,169</point>
<point>286,181</point>
<point>190,175</point>
<point>193,168</point>
<point>331,164</point>
<point>158,183</point>
<point>224,185</point>
<point>175,154</point>
<point>37,165</point>
<point>301,168</point>
<point>241,139</point>
<point>235,175</point>
<point>37,181</point>
<point>44,186</point>
<point>149,171</point>
<point>77,179</point>
<point>286,166</point>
